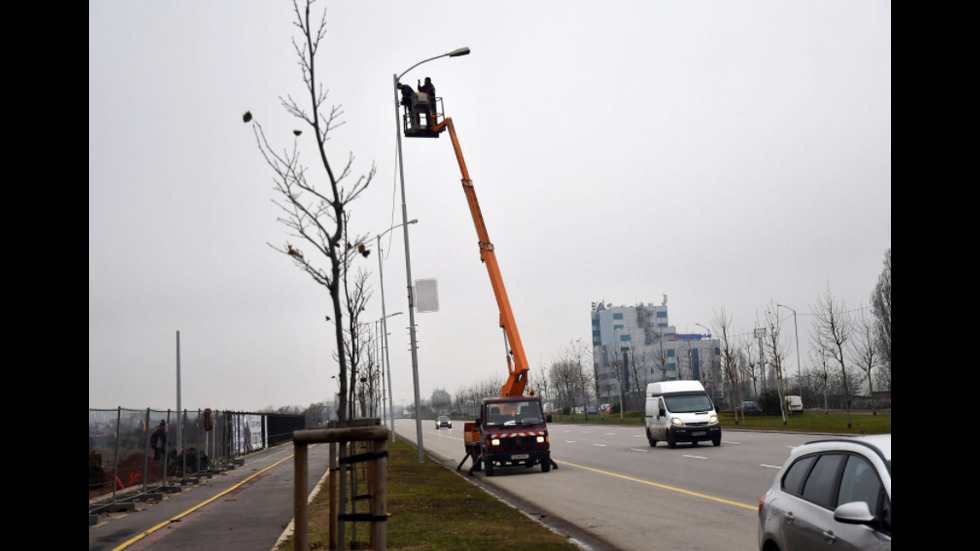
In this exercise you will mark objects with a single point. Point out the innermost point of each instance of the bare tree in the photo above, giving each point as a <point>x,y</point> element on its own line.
<point>864,353</point>
<point>637,371</point>
<point>356,340</point>
<point>747,363</point>
<point>316,212</point>
<point>660,360</point>
<point>542,386</point>
<point>315,205</point>
<point>835,329</point>
<point>722,326</point>
<point>776,353</point>
<point>821,370</point>
<point>881,303</point>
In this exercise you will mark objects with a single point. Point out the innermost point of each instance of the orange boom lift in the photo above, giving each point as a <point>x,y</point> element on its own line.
<point>511,429</point>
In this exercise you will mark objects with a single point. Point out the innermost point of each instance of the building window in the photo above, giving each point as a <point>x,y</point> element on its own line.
<point>617,327</point>
<point>670,352</point>
<point>617,315</point>
<point>624,338</point>
<point>671,367</point>
<point>661,314</point>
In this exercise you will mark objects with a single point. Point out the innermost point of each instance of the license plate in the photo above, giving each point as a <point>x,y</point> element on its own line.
<point>699,433</point>
<point>520,456</point>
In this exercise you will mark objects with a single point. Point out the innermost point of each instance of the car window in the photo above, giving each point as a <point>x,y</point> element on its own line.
<point>819,486</point>
<point>859,483</point>
<point>886,515</point>
<point>796,474</point>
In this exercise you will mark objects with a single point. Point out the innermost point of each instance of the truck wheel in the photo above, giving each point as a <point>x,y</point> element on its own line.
<point>545,465</point>
<point>488,467</point>
<point>653,443</point>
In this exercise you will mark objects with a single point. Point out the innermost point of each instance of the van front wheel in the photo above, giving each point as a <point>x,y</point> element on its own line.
<point>716,441</point>
<point>671,443</point>
<point>650,439</point>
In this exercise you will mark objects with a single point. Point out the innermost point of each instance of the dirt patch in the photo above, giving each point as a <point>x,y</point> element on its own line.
<point>130,473</point>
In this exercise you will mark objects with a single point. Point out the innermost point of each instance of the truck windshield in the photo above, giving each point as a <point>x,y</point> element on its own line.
<point>687,403</point>
<point>508,414</point>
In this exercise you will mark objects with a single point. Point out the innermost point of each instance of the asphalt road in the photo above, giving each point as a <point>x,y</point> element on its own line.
<point>246,508</point>
<point>613,486</point>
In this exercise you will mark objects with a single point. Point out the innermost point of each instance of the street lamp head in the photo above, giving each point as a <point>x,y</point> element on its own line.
<point>459,52</point>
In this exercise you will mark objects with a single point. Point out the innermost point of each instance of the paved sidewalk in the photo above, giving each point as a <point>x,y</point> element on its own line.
<point>243,509</point>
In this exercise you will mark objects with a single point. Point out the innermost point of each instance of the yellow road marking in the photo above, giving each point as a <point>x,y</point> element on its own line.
<point>646,482</point>
<point>198,506</point>
<point>663,486</point>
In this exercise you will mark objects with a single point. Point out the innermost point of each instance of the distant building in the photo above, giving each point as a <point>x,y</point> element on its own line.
<point>637,345</point>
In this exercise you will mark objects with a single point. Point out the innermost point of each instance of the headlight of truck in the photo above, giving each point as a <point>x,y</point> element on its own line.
<point>676,421</point>
<point>495,442</point>
<point>541,439</point>
<point>713,419</point>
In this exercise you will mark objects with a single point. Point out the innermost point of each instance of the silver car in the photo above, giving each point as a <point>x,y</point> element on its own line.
<point>836,491</point>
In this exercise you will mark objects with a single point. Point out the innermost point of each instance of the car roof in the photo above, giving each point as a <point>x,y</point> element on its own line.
<point>881,444</point>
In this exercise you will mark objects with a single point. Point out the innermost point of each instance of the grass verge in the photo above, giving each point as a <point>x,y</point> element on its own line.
<point>434,508</point>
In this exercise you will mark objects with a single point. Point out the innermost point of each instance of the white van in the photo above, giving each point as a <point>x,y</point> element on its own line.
<point>794,404</point>
<point>680,411</point>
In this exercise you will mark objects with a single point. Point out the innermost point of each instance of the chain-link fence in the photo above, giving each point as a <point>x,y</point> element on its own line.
<point>138,454</point>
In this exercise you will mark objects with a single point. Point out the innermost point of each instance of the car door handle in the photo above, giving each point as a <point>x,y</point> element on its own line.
<point>788,516</point>
<point>829,536</point>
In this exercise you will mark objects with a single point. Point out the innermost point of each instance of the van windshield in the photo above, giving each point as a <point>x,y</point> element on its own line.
<point>687,403</point>
<point>508,414</point>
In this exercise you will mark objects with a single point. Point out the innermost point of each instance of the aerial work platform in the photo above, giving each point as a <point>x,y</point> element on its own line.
<point>422,117</point>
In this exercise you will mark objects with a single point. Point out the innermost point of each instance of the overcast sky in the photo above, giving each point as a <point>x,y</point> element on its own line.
<point>730,154</point>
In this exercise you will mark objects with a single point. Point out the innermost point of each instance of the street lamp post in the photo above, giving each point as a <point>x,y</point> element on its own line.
<point>384,325</point>
<point>799,372</point>
<point>408,260</point>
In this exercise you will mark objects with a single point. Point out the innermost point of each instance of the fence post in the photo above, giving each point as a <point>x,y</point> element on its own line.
<point>146,448</point>
<point>332,486</point>
<point>376,436</point>
<point>300,477</point>
<point>379,495</point>
<point>115,455</point>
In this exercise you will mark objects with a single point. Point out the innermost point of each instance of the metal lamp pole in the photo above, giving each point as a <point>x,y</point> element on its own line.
<point>799,373</point>
<point>384,324</point>
<point>408,260</point>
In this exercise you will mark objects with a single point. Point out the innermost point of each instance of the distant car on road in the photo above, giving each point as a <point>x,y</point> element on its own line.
<point>831,493</point>
<point>444,421</point>
<point>747,405</point>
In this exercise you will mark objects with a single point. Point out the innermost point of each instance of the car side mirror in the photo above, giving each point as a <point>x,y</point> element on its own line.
<point>662,413</point>
<point>855,512</point>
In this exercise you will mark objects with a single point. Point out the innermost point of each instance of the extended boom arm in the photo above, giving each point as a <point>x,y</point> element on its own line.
<point>518,369</point>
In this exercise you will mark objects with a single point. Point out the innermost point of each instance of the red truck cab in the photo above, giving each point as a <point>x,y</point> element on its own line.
<point>513,433</point>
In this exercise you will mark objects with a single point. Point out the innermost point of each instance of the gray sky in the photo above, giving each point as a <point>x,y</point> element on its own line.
<point>730,154</point>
